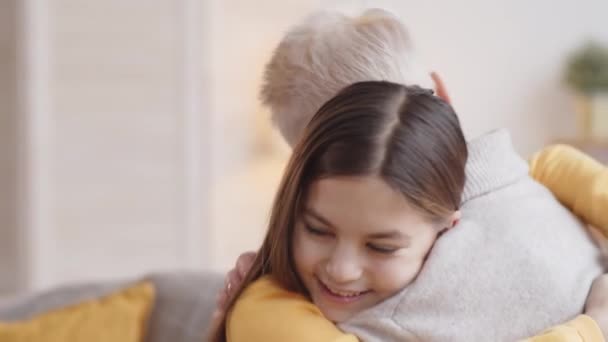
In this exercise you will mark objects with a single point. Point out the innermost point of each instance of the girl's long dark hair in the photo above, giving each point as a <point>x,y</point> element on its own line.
<point>405,135</point>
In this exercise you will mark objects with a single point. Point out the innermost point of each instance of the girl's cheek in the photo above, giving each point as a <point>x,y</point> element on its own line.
<point>308,251</point>
<point>394,275</point>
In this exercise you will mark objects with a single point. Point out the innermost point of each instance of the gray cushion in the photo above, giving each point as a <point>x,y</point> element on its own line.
<point>184,304</point>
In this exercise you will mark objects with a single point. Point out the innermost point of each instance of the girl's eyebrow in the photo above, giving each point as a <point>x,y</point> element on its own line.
<point>319,217</point>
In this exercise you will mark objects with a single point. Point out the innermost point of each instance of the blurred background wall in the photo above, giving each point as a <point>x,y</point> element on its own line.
<point>10,259</point>
<point>131,138</point>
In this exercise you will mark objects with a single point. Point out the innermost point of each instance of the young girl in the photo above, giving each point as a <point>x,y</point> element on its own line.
<point>376,179</point>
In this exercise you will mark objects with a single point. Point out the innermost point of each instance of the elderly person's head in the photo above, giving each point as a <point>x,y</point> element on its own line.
<point>330,51</point>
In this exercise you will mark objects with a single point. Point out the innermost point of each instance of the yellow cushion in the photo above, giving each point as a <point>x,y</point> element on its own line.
<point>119,317</point>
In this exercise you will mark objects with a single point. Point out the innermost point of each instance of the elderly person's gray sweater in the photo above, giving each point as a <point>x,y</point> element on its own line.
<point>516,264</point>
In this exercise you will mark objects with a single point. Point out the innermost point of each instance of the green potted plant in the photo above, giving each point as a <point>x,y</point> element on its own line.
<point>587,74</point>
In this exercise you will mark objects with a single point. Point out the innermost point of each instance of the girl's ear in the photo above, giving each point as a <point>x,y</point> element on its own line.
<point>454,219</point>
<point>451,222</point>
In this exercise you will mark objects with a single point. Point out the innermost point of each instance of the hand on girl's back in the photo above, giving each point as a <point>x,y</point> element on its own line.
<point>597,303</point>
<point>234,278</point>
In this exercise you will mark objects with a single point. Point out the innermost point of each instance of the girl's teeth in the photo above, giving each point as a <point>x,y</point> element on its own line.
<point>346,294</point>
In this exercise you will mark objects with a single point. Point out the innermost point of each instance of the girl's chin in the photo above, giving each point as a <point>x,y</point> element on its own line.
<point>336,317</point>
<point>336,314</point>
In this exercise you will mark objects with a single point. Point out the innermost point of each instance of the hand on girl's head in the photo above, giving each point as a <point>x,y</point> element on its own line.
<point>440,89</point>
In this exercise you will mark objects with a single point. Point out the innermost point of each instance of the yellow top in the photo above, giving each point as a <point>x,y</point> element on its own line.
<point>581,329</point>
<point>577,180</point>
<point>266,312</point>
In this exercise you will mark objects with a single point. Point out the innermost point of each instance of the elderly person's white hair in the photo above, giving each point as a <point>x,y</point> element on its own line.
<point>330,51</point>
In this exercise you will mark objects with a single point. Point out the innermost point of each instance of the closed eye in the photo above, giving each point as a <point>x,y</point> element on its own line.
<point>382,249</point>
<point>317,231</point>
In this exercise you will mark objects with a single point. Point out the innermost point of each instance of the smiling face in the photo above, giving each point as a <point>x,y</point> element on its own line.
<point>357,243</point>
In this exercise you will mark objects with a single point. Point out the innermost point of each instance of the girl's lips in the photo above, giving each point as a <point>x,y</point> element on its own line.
<point>329,294</point>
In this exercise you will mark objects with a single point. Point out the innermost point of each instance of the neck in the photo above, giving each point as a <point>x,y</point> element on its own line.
<point>493,163</point>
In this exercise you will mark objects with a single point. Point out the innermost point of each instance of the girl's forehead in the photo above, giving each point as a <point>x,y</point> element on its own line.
<point>357,191</point>
<point>364,204</point>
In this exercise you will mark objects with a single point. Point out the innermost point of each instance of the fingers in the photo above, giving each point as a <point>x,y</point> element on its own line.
<point>597,303</point>
<point>244,263</point>
<point>440,87</point>
<point>600,284</point>
<point>225,293</point>
<point>232,281</point>
<point>234,278</point>
<point>598,295</point>
<point>222,299</point>
<point>216,320</point>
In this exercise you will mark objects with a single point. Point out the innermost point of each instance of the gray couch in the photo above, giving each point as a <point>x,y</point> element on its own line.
<point>182,310</point>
